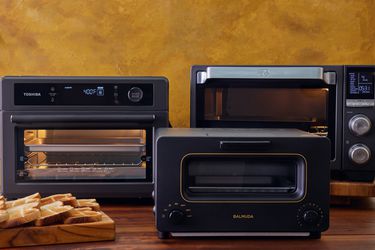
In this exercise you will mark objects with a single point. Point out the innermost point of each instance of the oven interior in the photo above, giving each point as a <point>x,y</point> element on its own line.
<point>68,154</point>
<point>243,177</point>
<point>305,105</point>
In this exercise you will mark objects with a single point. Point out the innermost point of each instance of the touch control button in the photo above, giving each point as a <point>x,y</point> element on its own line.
<point>359,154</point>
<point>359,125</point>
<point>135,94</point>
<point>176,216</point>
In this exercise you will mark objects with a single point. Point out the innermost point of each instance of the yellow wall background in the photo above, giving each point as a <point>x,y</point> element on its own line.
<point>166,37</point>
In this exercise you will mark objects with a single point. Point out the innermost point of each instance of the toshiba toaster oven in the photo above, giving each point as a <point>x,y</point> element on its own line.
<point>89,135</point>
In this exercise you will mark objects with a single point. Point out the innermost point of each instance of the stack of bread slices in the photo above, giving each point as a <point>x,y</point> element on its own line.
<point>34,210</point>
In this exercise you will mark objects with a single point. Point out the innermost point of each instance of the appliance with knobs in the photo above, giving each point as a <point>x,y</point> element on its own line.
<point>90,135</point>
<point>336,101</point>
<point>241,182</point>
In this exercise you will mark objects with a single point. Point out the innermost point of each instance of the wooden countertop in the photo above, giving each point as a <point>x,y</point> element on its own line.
<point>352,227</point>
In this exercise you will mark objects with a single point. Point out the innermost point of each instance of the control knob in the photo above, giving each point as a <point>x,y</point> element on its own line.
<point>359,125</point>
<point>359,154</point>
<point>311,217</point>
<point>135,94</point>
<point>176,216</point>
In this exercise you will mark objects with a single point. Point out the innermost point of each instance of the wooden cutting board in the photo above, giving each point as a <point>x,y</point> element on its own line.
<point>59,234</point>
<point>342,192</point>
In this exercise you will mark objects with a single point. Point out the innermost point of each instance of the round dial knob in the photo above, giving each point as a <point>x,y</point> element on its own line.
<point>135,94</point>
<point>359,125</point>
<point>359,154</point>
<point>311,217</point>
<point>176,216</point>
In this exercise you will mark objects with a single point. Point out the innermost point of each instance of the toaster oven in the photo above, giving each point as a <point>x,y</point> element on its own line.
<point>89,135</point>
<point>241,182</point>
<point>331,101</point>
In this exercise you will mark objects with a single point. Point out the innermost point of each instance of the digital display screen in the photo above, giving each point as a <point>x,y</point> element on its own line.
<point>360,85</point>
<point>81,94</point>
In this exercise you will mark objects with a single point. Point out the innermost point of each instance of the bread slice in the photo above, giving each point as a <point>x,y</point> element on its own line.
<point>25,206</point>
<point>80,215</point>
<point>52,215</point>
<point>3,215</point>
<point>71,201</point>
<point>51,205</point>
<point>83,209</point>
<point>2,202</point>
<point>28,199</point>
<point>20,216</point>
<point>89,203</point>
<point>53,198</point>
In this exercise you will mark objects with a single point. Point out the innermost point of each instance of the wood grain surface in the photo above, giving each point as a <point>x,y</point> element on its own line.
<point>57,234</point>
<point>352,189</point>
<point>351,228</point>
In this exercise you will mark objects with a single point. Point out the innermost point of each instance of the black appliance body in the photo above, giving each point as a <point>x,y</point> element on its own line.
<point>332,101</point>
<point>91,136</point>
<point>241,182</point>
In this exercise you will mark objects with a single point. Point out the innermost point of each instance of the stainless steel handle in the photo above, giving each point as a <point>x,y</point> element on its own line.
<point>266,73</point>
<point>243,145</point>
<point>81,118</point>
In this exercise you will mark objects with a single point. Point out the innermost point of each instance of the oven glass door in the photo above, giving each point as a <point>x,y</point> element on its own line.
<point>83,154</point>
<point>307,104</point>
<point>233,177</point>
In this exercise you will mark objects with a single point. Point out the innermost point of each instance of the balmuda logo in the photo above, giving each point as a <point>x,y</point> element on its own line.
<point>243,216</point>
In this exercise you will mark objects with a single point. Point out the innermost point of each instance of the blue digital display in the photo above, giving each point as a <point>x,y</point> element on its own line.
<point>360,85</point>
<point>99,91</point>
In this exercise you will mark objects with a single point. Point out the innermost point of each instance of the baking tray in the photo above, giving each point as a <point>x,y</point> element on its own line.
<point>82,173</point>
<point>84,145</point>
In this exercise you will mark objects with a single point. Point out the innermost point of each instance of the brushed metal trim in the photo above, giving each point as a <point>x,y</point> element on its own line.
<point>265,73</point>
<point>330,77</point>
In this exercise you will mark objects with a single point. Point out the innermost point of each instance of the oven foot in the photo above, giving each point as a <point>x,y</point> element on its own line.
<point>163,235</point>
<point>315,235</point>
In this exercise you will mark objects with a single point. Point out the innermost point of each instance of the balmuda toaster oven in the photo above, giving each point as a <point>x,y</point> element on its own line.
<point>333,101</point>
<point>89,135</point>
<point>241,182</point>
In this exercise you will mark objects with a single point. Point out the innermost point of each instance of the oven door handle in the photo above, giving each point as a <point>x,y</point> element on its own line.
<point>309,73</point>
<point>244,145</point>
<point>81,118</point>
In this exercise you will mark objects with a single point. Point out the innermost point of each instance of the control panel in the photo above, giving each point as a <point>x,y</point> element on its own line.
<point>84,94</point>
<point>359,114</point>
<point>310,215</point>
<point>176,213</point>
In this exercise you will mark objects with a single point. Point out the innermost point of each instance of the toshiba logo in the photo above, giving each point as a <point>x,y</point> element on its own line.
<point>32,94</point>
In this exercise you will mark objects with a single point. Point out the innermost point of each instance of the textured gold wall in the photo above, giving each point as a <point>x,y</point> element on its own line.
<point>165,37</point>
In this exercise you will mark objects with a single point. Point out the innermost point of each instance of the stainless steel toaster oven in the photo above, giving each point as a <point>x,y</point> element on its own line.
<point>332,101</point>
<point>241,182</point>
<point>92,136</point>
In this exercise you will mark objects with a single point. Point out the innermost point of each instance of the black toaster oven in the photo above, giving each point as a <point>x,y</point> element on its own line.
<point>241,182</point>
<point>92,136</point>
<point>333,101</point>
